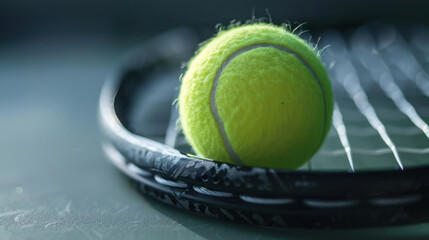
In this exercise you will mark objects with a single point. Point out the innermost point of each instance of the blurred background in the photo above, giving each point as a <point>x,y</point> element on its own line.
<point>54,58</point>
<point>23,19</point>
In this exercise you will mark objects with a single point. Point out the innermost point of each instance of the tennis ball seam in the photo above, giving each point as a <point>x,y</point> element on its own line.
<point>230,150</point>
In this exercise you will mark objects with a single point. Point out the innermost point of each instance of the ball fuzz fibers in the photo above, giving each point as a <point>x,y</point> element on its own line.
<point>256,95</point>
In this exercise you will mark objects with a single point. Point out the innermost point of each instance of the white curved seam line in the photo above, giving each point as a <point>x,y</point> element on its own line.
<point>234,156</point>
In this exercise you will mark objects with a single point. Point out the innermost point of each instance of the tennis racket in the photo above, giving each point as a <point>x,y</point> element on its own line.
<point>371,171</point>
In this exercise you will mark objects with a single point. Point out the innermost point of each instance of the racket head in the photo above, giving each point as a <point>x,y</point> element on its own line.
<point>268,197</point>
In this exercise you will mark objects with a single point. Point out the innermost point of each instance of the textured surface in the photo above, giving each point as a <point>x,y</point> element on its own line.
<point>265,96</point>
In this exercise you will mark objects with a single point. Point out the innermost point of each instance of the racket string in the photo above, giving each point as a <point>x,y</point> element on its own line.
<point>363,64</point>
<point>383,75</point>
<point>344,72</point>
<point>338,123</point>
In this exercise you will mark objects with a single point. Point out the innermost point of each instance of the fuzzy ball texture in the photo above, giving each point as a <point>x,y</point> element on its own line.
<point>256,95</point>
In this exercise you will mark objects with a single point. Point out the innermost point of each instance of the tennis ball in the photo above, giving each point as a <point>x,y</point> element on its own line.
<point>256,95</point>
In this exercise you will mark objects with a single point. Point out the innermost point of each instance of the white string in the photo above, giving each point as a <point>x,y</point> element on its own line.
<point>362,45</point>
<point>357,131</point>
<point>398,49</point>
<point>375,152</point>
<point>337,121</point>
<point>345,73</point>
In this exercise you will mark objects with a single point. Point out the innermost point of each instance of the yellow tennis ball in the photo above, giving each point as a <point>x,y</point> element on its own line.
<point>256,95</point>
